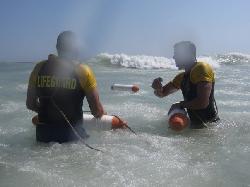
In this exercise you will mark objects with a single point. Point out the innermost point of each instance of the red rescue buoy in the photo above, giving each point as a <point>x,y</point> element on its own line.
<point>178,119</point>
<point>123,87</point>
<point>106,122</point>
<point>178,122</point>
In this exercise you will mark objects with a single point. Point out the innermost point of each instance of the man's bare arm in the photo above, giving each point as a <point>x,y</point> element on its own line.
<point>95,105</point>
<point>168,89</point>
<point>202,99</point>
<point>165,90</point>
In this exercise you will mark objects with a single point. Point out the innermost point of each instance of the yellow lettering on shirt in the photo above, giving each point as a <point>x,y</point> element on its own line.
<point>56,82</point>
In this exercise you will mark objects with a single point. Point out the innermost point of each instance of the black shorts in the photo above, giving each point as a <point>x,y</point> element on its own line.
<point>198,123</point>
<point>60,134</point>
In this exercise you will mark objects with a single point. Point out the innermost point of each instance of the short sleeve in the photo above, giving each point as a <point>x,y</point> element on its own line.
<point>86,77</point>
<point>202,72</point>
<point>177,80</point>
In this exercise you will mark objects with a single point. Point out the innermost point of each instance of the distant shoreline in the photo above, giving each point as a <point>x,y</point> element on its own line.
<point>24,62</point>
<point>16,62</point>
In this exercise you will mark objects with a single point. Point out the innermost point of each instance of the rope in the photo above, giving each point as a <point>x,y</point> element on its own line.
<point>131,130</point>
<point>73,129</point>
<point>203,123</point>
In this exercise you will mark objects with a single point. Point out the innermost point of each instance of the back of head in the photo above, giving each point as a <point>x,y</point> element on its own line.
<point>67,45</point>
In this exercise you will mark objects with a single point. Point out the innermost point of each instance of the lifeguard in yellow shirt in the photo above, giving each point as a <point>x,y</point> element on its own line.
<point>56,90</point>
<point>196,83</point>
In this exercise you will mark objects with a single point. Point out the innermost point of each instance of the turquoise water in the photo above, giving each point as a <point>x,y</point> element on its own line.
<point>217,156</point>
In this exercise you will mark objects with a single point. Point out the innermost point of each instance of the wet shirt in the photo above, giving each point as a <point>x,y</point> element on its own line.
<point>199,73</point>
<point>63,83</point>
<point>85,75</point>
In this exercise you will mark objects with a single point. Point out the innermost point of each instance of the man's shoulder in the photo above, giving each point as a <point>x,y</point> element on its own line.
<point>86,77</point>
<point>177,80</point>
<point>180,75</point>
<point>40,64</point>
<point>202,66</point>
<point>202,71</point>
<point>83,69</point>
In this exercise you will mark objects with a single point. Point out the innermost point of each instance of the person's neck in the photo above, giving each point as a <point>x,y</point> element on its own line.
<point>189,68</point>
<point>67,56</point>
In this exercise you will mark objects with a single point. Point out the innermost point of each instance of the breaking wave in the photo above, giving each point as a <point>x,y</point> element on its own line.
<point>157,62</point>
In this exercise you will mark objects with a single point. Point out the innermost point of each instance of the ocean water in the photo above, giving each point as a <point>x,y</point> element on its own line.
<point>157,156</point>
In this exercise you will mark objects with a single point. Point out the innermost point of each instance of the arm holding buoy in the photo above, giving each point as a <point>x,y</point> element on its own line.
<point>202,100</point>
<point>89,87</point>
<point>95,105</point>
<point>163,91</point>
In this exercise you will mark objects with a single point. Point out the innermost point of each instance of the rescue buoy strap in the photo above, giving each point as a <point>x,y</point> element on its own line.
<point>125,124</point>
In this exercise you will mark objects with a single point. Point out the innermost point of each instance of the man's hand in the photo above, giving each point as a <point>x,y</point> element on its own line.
<point>162,91</point>
<point>157,84</point>
<point>159,93</point>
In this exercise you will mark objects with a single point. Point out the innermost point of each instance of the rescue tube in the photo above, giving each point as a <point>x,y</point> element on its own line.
<point>178,119</point>
<point>123,87</point>
<point>106,122</point>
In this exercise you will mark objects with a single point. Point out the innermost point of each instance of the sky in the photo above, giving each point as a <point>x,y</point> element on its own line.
<point>29,28</point>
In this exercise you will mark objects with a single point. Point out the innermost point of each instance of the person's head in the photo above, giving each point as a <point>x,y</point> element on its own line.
<point>184,54</point>
<point>67,45</point>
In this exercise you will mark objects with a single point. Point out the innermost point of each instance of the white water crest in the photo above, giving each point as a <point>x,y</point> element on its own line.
<point>233,58</point>
<point>139,61</point>
<point>148,62</point>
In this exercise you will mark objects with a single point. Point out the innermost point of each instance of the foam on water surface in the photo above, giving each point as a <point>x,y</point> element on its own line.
<point>217,156</point>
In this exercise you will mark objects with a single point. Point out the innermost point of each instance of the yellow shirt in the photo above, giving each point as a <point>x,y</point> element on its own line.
<point>200,72</point>
<point>84,73</point>
<point>86,77</point>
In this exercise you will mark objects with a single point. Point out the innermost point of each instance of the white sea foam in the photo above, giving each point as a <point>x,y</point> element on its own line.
<point>9,107</point>
<point>147,62</point>
<point>240,54</point>
<point>139,61</point>
<point>210,60</point>
<point>235,103</point>
<point>22,87</point>
<point>233,58</point>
